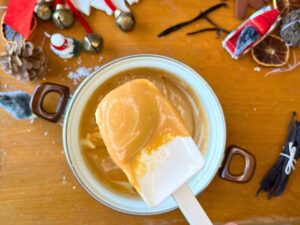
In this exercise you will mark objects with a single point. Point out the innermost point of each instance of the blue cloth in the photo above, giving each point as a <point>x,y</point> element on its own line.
<point>17,104</point>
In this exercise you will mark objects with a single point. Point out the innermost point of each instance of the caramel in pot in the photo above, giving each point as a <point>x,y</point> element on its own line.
<point>93,149</point>
<point>136,117</point>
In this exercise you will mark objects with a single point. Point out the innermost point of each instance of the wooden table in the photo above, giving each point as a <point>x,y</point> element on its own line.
<point>38,188</point>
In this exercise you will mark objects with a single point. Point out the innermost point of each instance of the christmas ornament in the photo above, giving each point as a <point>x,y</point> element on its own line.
<point>202,15</point>
<point>43,10</point>
<point>19,16</point>
<point>92,42</point>
<point>85,5</point>
<point>124,20</point>
<point>64,47</point>
<point>62,17</point>
<point>286,6</point>
<point>290,28</point>
<point>17,104</point>
<point>251,32</point>
<point>24,61</point>
<point>242,5</point>
<point>271,52</point>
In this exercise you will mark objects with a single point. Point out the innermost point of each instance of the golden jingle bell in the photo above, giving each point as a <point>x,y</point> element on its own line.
<point>92,42</point>
<point>124,20</point>
<point>62,17</point>
<point>43,10</point>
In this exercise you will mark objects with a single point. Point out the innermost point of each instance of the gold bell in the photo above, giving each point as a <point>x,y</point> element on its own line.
<point>43,10</point>
<point>92,42</point>
<point>124,20</point>
<point>62,17</point>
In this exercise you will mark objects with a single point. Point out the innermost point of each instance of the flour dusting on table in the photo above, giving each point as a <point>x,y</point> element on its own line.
<point>81,73</point>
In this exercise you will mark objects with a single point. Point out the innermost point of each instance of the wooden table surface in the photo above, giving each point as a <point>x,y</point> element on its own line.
<point>36,184</point>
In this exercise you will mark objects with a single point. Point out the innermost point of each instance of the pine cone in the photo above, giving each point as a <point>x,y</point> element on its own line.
<point>290,28</point>
<point>24,61</point>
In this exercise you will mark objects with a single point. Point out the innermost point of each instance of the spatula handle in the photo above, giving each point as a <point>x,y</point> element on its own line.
<point>190,207</point>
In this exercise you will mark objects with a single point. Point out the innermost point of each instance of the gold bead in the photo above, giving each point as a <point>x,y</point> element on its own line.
<point>124,20</point>
<point>93,43</point>
<point>62,17</point>
<point>43,10</point>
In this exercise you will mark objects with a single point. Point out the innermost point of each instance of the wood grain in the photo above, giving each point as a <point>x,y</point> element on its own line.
<point>36,185</point>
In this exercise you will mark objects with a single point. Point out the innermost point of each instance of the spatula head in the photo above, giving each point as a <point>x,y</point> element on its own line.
<point>168,168</point>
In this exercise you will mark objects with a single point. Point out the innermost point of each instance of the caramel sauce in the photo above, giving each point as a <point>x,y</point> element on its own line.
<point>136,117</point>
<point>93,148</point>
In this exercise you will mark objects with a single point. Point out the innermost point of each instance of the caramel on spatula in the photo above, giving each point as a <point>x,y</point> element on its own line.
<point>146,137</point>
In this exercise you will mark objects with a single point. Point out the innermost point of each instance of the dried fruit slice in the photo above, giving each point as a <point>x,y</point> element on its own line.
<point>271,52</point>
<point>286,6</point>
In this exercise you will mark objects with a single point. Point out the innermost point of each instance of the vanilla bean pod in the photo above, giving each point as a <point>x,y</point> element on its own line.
<point>218,29</point>
<point>185,23</point>
<point>276,179</point>
<point>215,25</point>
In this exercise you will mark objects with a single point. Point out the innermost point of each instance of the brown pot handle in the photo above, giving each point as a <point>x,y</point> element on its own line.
<point>249,169</point>
<point>38,98</point>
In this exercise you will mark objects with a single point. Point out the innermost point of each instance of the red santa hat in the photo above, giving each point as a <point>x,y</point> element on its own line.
<point>59,42</point>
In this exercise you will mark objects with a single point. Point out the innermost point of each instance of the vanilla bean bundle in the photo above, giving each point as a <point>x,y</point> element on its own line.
<point>277,178</point>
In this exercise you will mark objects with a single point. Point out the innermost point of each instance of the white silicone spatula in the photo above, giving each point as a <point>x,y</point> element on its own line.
<point>133,118</point>
<point>176,163</point>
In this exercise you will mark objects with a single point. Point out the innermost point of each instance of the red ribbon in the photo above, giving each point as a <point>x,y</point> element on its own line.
<point>81,19</point>
<point>19,16</point>
<point>110,5</point>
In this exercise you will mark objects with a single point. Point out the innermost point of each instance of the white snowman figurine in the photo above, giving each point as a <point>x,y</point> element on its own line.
<point>64,47</point>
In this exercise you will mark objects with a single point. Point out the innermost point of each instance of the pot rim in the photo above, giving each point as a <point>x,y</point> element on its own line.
<point>77,93</point>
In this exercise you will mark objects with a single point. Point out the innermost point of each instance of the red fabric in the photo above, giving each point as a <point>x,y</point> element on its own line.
<point>81,19</point>
<point>19,16</point>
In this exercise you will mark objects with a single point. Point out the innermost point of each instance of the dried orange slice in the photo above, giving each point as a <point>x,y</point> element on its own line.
<point>285,6</point>
<point>271,52</point>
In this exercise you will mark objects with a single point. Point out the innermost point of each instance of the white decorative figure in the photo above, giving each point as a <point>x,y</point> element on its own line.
<point>84,5</point>
<point>64,47</point>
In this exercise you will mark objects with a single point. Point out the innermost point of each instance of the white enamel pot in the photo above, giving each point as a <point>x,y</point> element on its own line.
<point>216,125</point>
